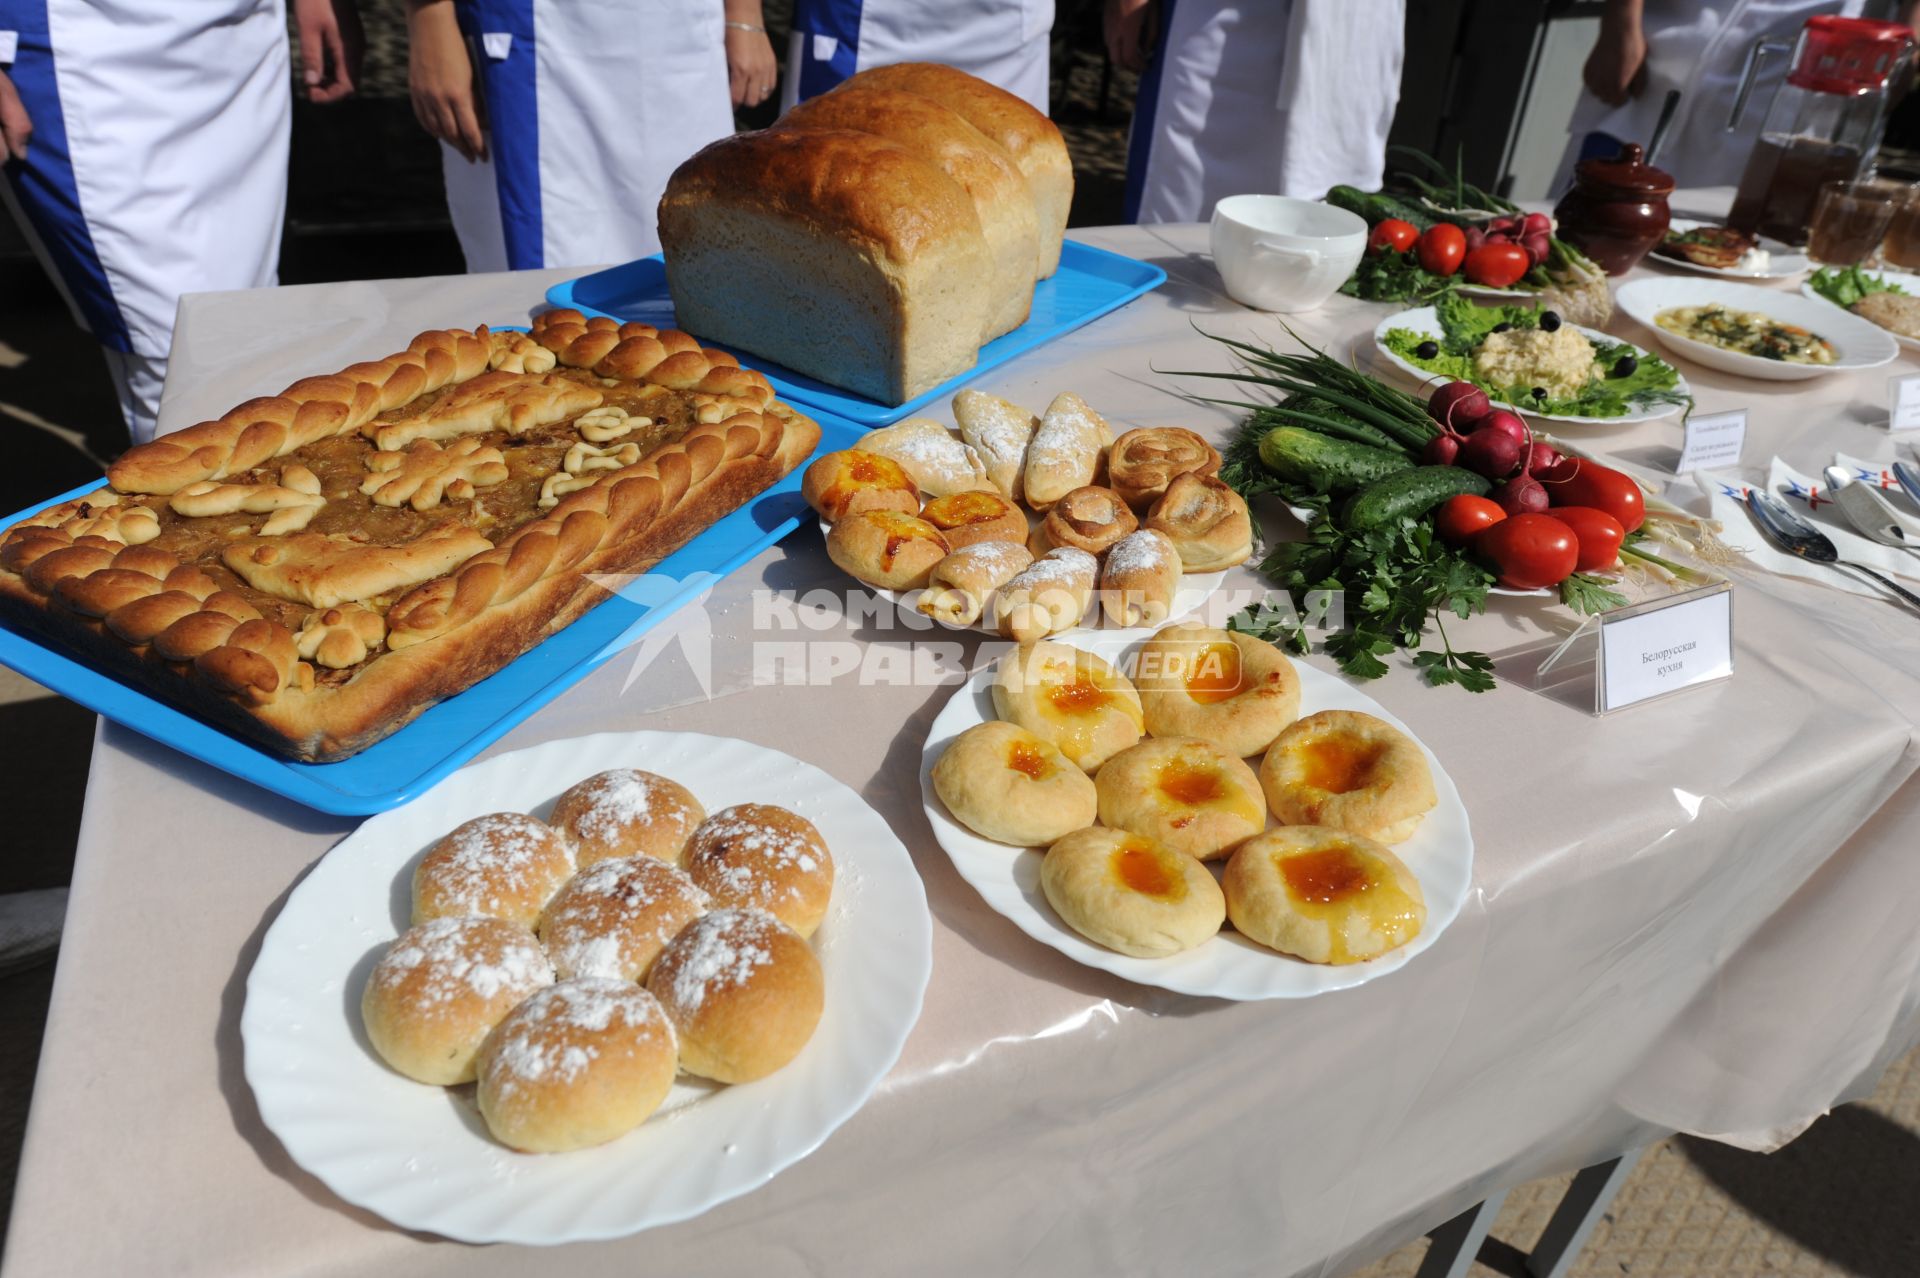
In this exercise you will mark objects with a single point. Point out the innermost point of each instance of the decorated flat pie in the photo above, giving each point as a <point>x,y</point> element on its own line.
<point>315,568</point>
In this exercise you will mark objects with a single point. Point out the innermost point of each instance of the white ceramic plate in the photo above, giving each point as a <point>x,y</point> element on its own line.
<point>1425,320</point>
<point>1229,966</point>
<point>420,1156</point>
<point>1911,283</point>
<point>1188,598</point>
<point>1856,343</point>
<point>1783,261</point>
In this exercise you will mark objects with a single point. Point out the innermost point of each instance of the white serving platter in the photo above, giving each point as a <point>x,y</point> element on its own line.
<point>1229,966</point>
<point>421,1157</point>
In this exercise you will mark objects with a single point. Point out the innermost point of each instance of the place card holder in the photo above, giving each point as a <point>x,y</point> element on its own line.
<point>1643,651</point>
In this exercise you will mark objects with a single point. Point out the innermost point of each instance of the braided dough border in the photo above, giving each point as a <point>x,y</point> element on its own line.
<point>140,610</point>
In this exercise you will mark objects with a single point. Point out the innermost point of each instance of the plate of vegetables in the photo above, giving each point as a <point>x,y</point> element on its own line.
<point>1419,509</point>
<point>1890,299</point>
<point>1755,332</point>
<point>1433,233</point>
<point>1530,359</point>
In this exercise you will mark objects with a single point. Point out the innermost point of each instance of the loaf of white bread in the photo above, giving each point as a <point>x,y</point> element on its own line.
<point>876,236</point>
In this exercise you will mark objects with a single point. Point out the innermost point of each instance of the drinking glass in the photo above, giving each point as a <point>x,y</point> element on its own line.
<point>1902,247</point>
<point>1850,218</point>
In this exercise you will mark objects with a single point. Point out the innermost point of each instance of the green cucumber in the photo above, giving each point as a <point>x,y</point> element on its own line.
<point>1377,206</point>
<point>1326,464</point>
<point>1409,495</point>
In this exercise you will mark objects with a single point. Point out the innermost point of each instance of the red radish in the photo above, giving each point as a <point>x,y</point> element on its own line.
<point>1492,453</point>
<point>1440,450</point>
<point>1457,405</point>
<point>1521,495</point>
<point>1537,247</point>
<point>1475,238</point>
<point>1505,423</point>
<point>1543,457</point>
<point>1537,224</point>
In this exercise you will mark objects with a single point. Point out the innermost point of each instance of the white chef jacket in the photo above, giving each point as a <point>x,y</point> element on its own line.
<point>590,106</point>
<point>1700,49</point>
<point>1276,97</point>
<point>1004,42</point>
<point>158,164</point>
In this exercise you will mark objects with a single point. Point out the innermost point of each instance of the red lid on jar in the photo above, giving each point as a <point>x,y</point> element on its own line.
<point>1627,173</point>
<point>1848,56</point>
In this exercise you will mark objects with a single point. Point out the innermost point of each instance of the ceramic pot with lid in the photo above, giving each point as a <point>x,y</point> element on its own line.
<point>1616,210</point>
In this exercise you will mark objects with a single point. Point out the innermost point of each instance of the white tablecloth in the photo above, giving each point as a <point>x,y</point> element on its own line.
<point>1696,914</point>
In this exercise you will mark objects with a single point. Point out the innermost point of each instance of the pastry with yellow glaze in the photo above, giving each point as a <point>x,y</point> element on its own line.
<point>1351,771</point>
<point>1222,686</point>
<point>1131,893</point>
<point>1006,784</point>
<point>1070,697</point>
<point>1189,794</point>
<point>887,548</point>
<point>1322,895</point>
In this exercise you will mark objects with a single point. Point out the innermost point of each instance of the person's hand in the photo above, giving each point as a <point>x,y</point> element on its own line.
<point>1125,22</point>
<point>331,46</point>
<point>440,79</point>
<point>752,70</point>
<point>1617,67</point>
<point>16,128</point>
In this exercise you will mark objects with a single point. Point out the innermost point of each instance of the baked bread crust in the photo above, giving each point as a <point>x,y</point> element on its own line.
<point>83,572</point>
<point>980,165</point>
<point>878,249</point>
<point>1027,135</point>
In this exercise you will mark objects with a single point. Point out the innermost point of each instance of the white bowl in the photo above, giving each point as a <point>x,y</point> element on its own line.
<point>1276,253</point>
<point>1856,343</point>
<point>1911,283</point>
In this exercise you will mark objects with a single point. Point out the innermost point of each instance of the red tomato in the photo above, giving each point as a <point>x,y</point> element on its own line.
<point>1579,481</point>
<point>1600,535</point>
<point>1529,551</point>
<point>1497,265</point>
<point>1393,236</point>
<point>1463,518</point>
<point>1442,247</point>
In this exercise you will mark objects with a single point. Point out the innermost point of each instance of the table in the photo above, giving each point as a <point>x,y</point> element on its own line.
<point>1694,915</point>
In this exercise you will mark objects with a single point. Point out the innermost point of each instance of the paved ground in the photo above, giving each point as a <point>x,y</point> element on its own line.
<point>1842,1200</point>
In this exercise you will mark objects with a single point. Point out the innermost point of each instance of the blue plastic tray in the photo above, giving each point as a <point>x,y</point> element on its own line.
<point>1089,283</point>
<point>393,771</point>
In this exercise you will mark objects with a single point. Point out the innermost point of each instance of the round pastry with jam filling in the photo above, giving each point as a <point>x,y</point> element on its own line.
<point>1351,771</point>
<point>848,482</point>
<point>626,812</point>
<point>1131,893</point>
<point>966,518</point>
<point>1219,685</point>
<point>1070,697</point>
<point>1009,785</point>
<point>887,548</point>
<point>1189,794</point>
<point>506,865</point>
<point>1322,895</point>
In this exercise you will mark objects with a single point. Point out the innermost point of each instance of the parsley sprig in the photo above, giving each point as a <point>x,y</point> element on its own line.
<point>1393,579</point>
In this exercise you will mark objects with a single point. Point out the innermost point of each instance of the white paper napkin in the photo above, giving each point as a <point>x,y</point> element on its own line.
<point>1726,492</point>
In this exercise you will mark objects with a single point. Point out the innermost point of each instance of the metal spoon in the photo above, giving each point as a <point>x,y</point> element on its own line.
<point>1909,481</point>
<point>1798,537</point>
<point>1868,511</point>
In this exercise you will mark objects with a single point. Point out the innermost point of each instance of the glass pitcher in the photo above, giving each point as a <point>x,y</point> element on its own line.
<point>1824,123</point>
